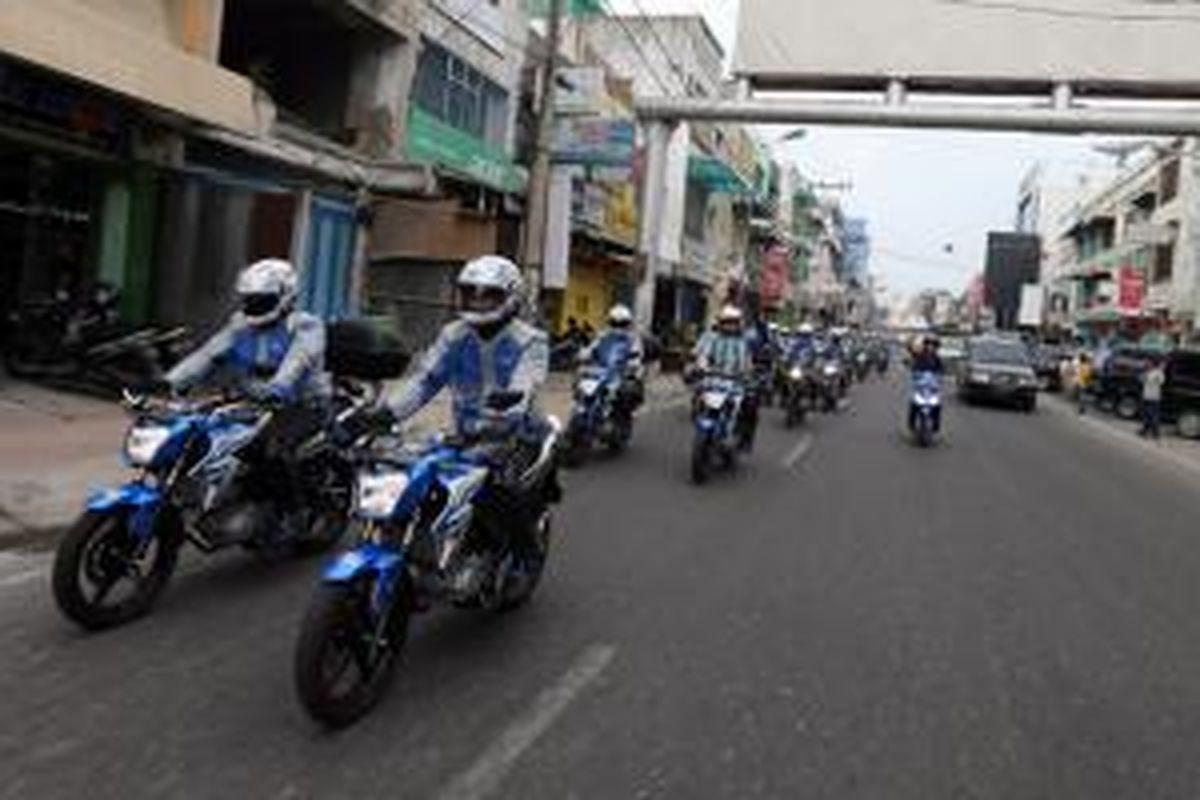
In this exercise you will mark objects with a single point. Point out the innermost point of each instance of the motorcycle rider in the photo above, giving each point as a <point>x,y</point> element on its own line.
<point>485,352</point>
<point>927,360</point>
<point>725,351</point>
<point>621,346</point>
<point>271,352</point>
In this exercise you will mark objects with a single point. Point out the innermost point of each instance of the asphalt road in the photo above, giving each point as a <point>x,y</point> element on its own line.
<point>1010,615</point>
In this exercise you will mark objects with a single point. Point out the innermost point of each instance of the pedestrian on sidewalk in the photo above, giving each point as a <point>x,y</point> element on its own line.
<point>1085,375</point>
<point>1153,380</point>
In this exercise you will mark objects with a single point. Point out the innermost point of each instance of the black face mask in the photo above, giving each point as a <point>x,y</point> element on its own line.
<point>259,305</point>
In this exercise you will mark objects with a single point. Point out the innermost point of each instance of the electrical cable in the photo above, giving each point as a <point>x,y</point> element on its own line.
<point>1069,13</point>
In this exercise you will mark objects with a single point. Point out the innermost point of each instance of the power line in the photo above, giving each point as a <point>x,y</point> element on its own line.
<point>929,263</point>
<point>637,46</point>
<point>1068,13</point>
<point>650,26</point>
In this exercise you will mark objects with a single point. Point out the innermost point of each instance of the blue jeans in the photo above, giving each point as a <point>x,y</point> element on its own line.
<point>1151,418</point>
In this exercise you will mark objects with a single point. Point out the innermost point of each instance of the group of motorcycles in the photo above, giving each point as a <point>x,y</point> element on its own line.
<point>800,381</point>
<point>421,535</point>
<point>410,508</point>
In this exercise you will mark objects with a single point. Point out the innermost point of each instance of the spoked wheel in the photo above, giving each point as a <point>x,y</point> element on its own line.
<point>575,446</point>
<point>795,413</point>
<point>104,577</point>
<point>329,515</point>
<point>622,435</point>
<point>701,460</point>
<point>346,656</point>
<point>524,572</point>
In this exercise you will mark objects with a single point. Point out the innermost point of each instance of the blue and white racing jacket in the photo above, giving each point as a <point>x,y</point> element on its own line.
<point>517,359</point>
<point>617,348</point>
<point>286,359</point>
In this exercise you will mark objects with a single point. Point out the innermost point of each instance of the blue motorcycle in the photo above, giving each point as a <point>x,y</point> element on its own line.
<point>717,412</point>
<point>195,481</point>
<point>926,408</point>
<point>423,539</point>
<point>602,412</point>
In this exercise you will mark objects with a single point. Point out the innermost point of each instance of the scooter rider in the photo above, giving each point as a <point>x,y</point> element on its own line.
<point>726,352</point>
<point>270,352</point>
<point>487,351</point>
<point>621,345</point>
<point>927,360</point>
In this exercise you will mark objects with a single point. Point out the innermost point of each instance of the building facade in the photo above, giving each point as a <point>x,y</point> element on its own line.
<point>160,145</point>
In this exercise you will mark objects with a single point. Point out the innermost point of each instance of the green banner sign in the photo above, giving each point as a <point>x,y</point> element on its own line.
<point>540,9</point>
<point>431,141</point>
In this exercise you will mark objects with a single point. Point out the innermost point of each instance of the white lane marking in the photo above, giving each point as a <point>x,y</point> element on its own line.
<point>21,578</point>
<point>797,453</point>
<point>489,770</point>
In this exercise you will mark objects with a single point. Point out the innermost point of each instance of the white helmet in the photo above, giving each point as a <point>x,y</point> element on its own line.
<point>807,329</point>
<point>489,290</point>
<point>267,291</point>
<point>730,314</point>
<point>619,316</point>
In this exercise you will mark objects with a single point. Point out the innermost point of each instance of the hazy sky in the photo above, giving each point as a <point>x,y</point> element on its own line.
<point>922,191</point>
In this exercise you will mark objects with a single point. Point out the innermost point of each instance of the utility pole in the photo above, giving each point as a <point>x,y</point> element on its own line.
<point>539,179</point>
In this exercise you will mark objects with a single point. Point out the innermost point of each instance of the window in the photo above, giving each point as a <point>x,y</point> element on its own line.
<point>1169,181</point>
<point>459,95</point>
<point>1164,263</point>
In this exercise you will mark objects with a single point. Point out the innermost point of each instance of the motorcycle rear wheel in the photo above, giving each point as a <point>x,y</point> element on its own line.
<point>337,637</point>
<point>97,554</point>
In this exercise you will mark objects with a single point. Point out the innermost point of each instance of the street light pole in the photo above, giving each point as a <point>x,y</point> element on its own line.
<point>539,179</point>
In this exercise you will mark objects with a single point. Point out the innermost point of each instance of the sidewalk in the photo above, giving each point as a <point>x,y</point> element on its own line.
<point>55,449</point>
<point>1184,452</point>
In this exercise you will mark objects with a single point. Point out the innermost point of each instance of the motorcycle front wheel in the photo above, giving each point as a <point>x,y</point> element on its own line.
<point>575,446</point>
<point>924,431</point>
<point>98,555</point>
<point>701,459</point>
<point>346,658</point>
<point>795,414</point>
<point>523,578</point>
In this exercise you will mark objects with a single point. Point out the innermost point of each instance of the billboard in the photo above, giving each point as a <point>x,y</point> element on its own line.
<point>1131,288</point>
<point>1013,260</point>
<point>1115,47</point>
<point>1033,299</point>
<point>586,140</point>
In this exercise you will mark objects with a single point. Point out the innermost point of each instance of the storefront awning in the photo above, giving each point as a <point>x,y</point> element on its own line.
<point>717,176</point>
<point>69,38</point>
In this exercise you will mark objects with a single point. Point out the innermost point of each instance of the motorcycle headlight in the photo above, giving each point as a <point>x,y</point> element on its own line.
<point>796,374</point>
<point>588,387</point>
<point>831,371</point>
<point>377,494</point>
<point>143,443</point>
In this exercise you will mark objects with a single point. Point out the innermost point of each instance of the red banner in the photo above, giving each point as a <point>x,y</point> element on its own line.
<point>1131,288</point>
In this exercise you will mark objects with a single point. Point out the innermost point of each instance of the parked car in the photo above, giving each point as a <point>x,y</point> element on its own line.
<point>1119,384</point>
<point>1181,395</point>
<point>999,370</point>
